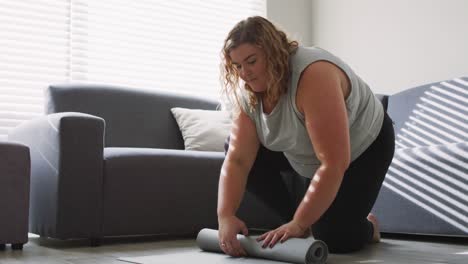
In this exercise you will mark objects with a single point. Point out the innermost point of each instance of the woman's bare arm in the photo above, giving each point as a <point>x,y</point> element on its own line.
<point>321,97</point>
<point>243,147</point>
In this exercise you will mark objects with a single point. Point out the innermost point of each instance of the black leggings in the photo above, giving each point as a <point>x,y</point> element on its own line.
<point>344,226</point>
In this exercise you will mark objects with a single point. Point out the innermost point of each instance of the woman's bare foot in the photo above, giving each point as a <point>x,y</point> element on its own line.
<point>375,224</point>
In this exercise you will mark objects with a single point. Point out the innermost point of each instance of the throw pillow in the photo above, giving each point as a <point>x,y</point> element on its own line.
<point>204,130</point>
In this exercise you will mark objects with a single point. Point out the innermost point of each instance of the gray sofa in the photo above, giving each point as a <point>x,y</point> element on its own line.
<point>110,161</point>
<point>426,188</point>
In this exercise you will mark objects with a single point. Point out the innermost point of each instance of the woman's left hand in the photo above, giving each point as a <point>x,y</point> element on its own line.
<point>283,233</point>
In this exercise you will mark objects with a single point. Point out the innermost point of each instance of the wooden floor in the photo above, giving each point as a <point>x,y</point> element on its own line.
<point>392,249</point>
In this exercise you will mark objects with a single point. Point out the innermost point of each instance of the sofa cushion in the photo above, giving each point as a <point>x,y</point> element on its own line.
<point>204,130</point>
<point>168,191</point>
<point>159,190</point>
<point>134,117</point>
<point>426,186</point>
<point>430,114</point>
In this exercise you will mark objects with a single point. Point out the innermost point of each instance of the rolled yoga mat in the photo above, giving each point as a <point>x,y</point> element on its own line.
<point>294,250</point>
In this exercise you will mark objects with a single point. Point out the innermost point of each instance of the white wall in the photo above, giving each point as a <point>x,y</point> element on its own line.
<point>292,16</point>
<point>396,44</point>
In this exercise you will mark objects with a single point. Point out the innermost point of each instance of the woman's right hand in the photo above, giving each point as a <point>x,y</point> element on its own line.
<point>229,227</point>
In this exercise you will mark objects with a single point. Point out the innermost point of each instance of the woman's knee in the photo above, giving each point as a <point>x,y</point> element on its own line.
<point>341,239</point>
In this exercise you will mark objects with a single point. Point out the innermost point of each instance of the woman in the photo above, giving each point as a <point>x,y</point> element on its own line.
<point>304,110</point>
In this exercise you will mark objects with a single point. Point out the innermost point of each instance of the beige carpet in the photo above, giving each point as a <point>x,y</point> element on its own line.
<point>195,256</point>
<point>387,252</point>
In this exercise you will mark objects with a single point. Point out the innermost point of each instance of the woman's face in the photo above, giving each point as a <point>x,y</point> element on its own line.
<point>249,61</point>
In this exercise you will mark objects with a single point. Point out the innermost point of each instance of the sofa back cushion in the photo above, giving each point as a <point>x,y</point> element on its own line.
<point>430,114</point>
<point>134,117</point>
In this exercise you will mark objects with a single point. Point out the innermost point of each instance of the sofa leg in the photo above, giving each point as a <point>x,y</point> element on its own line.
<point>95,242</point>
<point>17,246</point>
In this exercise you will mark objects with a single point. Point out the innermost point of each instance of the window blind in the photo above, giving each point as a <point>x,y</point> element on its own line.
<point>155,44</point>
<point>34,53</point>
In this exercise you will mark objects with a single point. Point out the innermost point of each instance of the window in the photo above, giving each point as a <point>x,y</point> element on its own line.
<point>156,44</point>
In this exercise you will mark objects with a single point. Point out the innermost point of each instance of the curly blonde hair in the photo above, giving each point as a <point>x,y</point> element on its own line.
<point>277,47</point>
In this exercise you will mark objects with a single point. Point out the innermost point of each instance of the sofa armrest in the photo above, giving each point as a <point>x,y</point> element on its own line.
<point>66,173</point>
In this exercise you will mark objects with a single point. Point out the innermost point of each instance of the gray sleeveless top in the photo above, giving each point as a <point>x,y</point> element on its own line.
<point>284,128</point>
